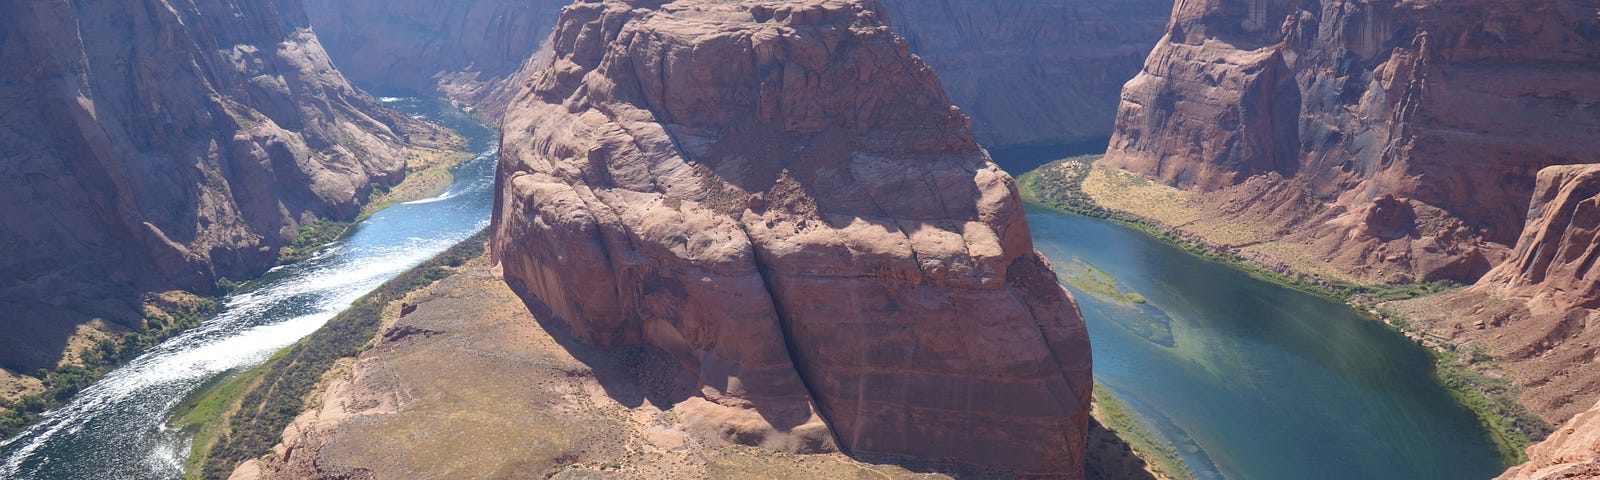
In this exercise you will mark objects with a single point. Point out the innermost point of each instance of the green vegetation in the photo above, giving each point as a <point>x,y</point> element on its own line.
<point>1118,418</point>
<point>164,316</point>
<point>203,413</point>
<point>311,239</point>
<point>1510,425</point>
<point>280,391</point>
<point>1089,279</point>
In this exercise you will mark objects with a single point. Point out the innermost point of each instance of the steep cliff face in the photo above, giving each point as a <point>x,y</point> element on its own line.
<point>467,50</point>
<point>163,145</point>
<point>1033,72</point>
<point>1414,127</point>
<point>778,194</point>
<point>1534,312</point>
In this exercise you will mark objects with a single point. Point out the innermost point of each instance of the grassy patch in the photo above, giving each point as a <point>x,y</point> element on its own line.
<point>287,380</point>
<point>1510,425</point>
<point>202,414</point>
<point>165,315</point>
<point>311,239</point>
<point>1118,418</point>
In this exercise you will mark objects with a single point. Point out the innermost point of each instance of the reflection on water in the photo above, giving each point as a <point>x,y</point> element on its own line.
<point>1258,381</point>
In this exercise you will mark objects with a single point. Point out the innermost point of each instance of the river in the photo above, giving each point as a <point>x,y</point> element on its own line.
<point>1251,380</point>
<point>116,428</point>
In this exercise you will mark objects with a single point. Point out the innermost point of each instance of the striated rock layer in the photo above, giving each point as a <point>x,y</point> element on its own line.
<point>1397,139</point>
<point>779,195</point>
<point>467,50</point>
<point>147,146</point>
<point>1033,72</point>
<point>1534,311</point>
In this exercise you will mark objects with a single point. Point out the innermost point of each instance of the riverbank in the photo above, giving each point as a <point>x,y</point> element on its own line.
<point>91,357</point>
<point>99,346</point>
<point>1078,186</point>
<point>604,411</point>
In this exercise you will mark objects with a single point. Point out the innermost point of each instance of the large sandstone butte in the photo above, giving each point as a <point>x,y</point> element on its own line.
<point>779,195</point>
<point>1396,139</point>
<point>1033,72</point>
<point>150,146</point>
<point>467,50</point>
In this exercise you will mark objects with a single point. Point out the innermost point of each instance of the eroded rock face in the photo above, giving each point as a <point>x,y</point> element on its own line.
<point>150,146</point>
<point>1033,72</point>
<point>1572,452</point>
<point>466,50</point>
<point>1450,107</point>
<point>780,195</point>
<point>1534,312</point>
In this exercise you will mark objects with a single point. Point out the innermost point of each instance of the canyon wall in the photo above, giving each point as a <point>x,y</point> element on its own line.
<point>155,145</point>
<point>1533,312</point>
<point>468,51</point>
<point>1396,139</point>
<point>1033,72</point>
<point>779,195</point>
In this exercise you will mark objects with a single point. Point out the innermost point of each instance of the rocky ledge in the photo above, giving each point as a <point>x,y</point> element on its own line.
<point>780,196</point>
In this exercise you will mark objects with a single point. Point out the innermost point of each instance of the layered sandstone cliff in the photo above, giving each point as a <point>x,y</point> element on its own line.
<point>1396,139</point>
<point>150,146</point>
<point>1033,72</point>
<point>1534,311</point>
<point>779,195</point>
<point>468,51</point>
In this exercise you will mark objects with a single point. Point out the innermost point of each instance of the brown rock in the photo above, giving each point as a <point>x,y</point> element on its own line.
<point>1451,106</point>
<point>1534,311</point>
<point>888,284</point>
<point>1033,72</point>
<point>158,145</point>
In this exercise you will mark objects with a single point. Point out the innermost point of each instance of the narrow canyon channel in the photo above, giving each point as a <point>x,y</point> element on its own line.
<point>1250,380</point>
<point>115,429</point>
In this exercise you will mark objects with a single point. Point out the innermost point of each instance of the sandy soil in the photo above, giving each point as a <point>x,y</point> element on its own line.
<point>471,385</point>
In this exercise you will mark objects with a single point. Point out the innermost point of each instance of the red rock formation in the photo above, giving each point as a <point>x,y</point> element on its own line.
<point>1448,107</point>
<point>778,194</point>
<point>1534,311</point>
<point>1033,72</point>
<point>467,50</point>
<point>1573,452</point>
<point>160,145</point>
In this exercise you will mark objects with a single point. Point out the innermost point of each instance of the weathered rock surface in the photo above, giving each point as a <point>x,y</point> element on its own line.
<point>1033,72</point>
<point>467,50</point>
<point>1308,116</point>
<point>147,146</point>
<point>778,194</point>
<point>1534,312</point>
<point>1573,452</point>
